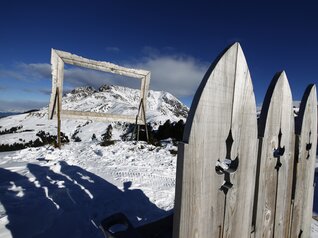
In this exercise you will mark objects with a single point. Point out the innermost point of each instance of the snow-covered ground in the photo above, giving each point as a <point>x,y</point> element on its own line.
<point>314,229</point>
<point>46,192</point>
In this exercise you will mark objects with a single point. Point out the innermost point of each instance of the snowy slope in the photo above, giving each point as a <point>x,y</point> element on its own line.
<point>161,106</point>
<point>46,192</point>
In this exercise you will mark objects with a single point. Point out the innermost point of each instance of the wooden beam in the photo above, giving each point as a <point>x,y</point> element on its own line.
<point>100,65</point>
<point>58,119</point>
<point>99,116</point>
<point>53,98</point>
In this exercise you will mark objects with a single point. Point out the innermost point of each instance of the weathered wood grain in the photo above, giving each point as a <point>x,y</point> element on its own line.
<point>276,148</point>
<point>224,105</point>
<point>100,65</point>
<point>98,116</point>
<point>304,170</point>
<point>57,82</point>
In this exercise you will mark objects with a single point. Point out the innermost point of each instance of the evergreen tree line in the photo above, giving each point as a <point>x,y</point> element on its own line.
<point>44,139</point>
<point>11,130</point>
<point>173,130</point>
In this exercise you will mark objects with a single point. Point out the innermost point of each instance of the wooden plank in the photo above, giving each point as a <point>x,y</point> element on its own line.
<point>276,148</point>
<point>305,156</point>
<point>144,91</point>
<point>60,80</point>
<point>99,116</point>
<point>100,65</point>
<point>221,124</point>
<point>58,120</point>
<point>53,98</point>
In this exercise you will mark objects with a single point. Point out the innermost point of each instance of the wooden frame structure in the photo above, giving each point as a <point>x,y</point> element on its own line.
<point>59,58</point>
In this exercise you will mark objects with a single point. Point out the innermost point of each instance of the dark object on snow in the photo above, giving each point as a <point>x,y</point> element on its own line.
<point>118,226</point>
<point>124,227</point>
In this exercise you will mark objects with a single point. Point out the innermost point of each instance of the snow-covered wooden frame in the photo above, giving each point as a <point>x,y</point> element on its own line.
<point>58,58</point>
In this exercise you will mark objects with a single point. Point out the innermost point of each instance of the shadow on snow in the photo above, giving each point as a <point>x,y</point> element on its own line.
<point>69,202</point>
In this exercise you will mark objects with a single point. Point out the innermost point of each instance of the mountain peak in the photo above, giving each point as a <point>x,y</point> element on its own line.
<point>114,99</point>
<point>81,90</point>
<point>105,88</point>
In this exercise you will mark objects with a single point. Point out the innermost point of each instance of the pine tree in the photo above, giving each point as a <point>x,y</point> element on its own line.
<point>106,137</point>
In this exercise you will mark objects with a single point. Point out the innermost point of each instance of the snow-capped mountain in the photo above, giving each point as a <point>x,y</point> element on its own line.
<point>121,100</point>
<point>161,106</point>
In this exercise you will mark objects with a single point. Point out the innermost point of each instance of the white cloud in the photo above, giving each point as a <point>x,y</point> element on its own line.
<point>36,71</point>
<point>27,72</point>
<point>74,76</point>
<point>81,77</point>
<point>10,74</point>
<point>44,91</point>
<point>179,75</point>
<point>20,105</point>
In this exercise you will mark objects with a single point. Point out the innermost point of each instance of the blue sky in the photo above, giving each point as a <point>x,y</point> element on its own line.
<point>176,40</point>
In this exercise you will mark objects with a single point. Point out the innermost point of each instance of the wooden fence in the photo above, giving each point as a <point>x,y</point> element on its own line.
<point>239,177</point>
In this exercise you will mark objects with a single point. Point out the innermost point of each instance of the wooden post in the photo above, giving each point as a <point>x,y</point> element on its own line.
<point>304,167</point>
<point>138,130</point>
<point>275,161</point>
<point>144,118</point>
<point>217,159</point>
<point>136,124</point>
<point>134,131</point>
<point>141,111</point>
<point>58,119</point>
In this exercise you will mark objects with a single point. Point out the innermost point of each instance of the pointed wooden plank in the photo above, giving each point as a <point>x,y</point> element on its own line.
<point>221,124</point>
<point>305,157</point>
<point>275,161</point>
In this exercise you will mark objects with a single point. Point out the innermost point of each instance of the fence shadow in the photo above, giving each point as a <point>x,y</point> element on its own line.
<point>68,201</point>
